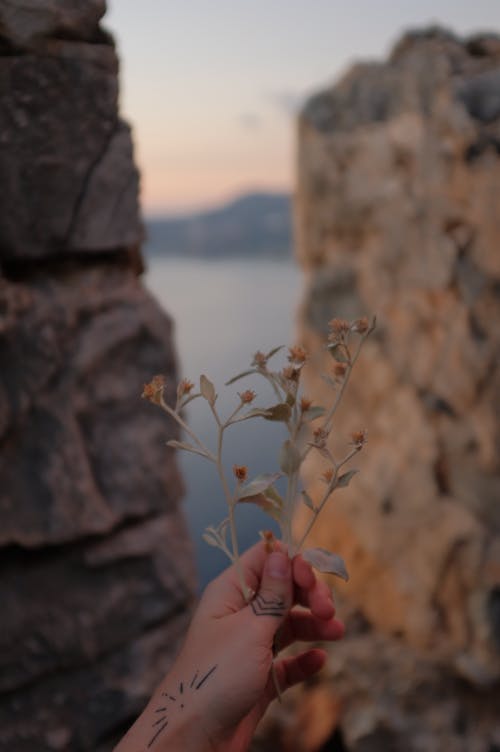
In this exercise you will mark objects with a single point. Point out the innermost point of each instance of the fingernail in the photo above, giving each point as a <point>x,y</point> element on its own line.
<point>278,565</point>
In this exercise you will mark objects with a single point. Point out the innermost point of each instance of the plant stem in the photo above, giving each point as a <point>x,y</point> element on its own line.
<point>230,505</point>
<point>330,488</point>
<point>186,428</point>
<point>327,423</point>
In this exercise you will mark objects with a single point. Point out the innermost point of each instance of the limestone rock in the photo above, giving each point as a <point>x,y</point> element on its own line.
<point>74,359</point>
<point>25,21</point>
<point>398,214</point>
<point>96,567</point>
<point>68,177</point>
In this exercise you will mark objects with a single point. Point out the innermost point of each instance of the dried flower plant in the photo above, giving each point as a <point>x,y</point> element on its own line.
<point>296,412</point>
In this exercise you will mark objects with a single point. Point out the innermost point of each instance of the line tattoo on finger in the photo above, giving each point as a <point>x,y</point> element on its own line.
<point>270,606</point>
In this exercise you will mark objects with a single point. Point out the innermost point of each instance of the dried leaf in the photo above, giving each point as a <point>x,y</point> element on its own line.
<point>314,412</point>
<point>328,379</point>
<point>290,399</point>
<point>210,538</point>
<point>337,351</point>
<point>280,412</point>
<point>326,561</point>
<point>207,389</point>
<point>308,501</point>
<point>272,494</point>
<point>222,528</point>
<point>258,485</point>
<point>274,351</point>
<point>345,479</point>
<point>265,503</point>
<point>186,447</point>
<point>289,458</point>
<point>241,376</point>
<point>256,412</point>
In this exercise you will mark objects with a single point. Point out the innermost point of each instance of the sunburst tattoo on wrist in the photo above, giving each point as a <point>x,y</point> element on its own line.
<point>176,702</point>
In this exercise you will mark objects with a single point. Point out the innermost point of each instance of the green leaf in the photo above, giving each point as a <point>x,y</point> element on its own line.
<point>258,485</point>
<point>345,479</point>
<point>280,412</point>
<point>308,501</point>
<point>337,351</point>
<point>241,376</point>
<point>289,458</point>
<point>207,389</point>
<point>326,561</point>
<point>274,351</point>
<point>314,412</point>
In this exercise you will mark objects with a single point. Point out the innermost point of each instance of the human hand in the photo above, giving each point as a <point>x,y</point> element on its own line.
<point>221,683</point>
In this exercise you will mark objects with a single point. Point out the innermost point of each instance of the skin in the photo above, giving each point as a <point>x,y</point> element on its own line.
<point>220,684</point>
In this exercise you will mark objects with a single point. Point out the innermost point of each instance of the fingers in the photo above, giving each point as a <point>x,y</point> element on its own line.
<point>298,668</point>
<point>304,626</point>
<point>274,597</point>
<point>303,575</point>
<point>310,592</point>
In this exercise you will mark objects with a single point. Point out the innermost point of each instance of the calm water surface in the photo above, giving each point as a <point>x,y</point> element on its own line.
<point>224,311</point>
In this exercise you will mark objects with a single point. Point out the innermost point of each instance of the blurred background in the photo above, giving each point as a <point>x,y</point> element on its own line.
<point>244,174</point>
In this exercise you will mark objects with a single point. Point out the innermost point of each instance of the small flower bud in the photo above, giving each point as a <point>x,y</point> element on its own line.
<point>153,391</point>
<point>359,438</point>
<point>339,370</point>
<point>247,396</point>
<point>338,329</point>
<point>327,476</point>
<point>268,538</point>
<point>360,325</point>
<point>320,437</point>
<point>297,354</point>
<point>184,388</point>
<point>240,472</point>
<point>305,403</point>
<point>259,359</point>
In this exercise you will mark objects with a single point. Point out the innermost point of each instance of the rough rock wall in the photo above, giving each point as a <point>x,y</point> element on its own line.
<point>398,214</point>
<point>96,576</point>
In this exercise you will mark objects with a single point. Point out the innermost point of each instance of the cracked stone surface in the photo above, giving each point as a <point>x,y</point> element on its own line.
<point>69,181</point>
<point>96,568</point>
<point>398,206</point>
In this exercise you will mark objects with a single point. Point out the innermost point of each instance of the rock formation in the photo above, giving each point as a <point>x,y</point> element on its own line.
<point>398,214</point>
<point>96,576</point>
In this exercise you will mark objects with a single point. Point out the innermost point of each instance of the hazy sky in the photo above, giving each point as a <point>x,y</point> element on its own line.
<point>211,86</point>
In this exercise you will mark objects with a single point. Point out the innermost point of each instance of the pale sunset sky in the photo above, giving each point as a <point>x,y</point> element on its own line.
<point>211,87</point>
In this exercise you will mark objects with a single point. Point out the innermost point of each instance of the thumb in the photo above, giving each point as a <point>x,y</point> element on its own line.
<point>274,597</point>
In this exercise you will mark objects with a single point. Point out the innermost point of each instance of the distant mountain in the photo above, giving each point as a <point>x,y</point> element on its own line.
<point>255,224</point>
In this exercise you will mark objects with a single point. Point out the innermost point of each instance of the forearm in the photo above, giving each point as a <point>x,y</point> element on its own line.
<point>175,717</point>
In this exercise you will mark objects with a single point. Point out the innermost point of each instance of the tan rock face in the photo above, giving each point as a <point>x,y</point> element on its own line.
<point>96,570</point>
<point>398,207</point>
